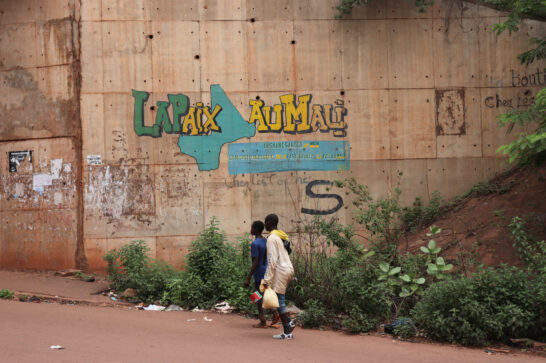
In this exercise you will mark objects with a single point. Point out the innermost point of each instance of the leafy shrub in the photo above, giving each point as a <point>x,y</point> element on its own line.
<point>495,304</point>
<point>6,294</point>
<point>184,291</point>
<point>359,322</point>
<point>382,217</point>
<point>530,250</point>
<point>344,282</point>
<point>215,271</point>
<point>131,267</point>
<point>314,315</point>
<point>419,215</point>
<point>405,328</point>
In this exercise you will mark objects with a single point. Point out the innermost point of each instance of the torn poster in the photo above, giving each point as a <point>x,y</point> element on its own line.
<point>56,165</point>
<point>94,160</point>
<point>41,180</point>
<point>17,157</point>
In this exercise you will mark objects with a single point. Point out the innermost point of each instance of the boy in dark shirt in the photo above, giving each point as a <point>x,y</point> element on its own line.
<point>258,252</point>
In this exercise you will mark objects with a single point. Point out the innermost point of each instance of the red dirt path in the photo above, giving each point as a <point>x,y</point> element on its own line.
<point>102,334</point>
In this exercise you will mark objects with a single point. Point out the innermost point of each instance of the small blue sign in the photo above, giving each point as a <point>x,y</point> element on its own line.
<point>265,157</point>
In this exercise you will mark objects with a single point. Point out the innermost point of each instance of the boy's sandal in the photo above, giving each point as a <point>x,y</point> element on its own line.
<point>276,319</point>
<point>260,325</point>
<point>276,326</point>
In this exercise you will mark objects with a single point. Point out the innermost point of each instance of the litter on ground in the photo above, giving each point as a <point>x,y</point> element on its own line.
<point>223,307</point>
<point>153,307</point>
<point>174,308</point>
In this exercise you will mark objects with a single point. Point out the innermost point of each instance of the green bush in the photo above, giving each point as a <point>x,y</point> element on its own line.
<point>359,321</point>
<point>531,251</point>
<point>131,267</point>
<point>184,291</point>
<point>6,294</point>
<point>493,305</point>
<point>345,283</point>
<point>314,315</point>
<point>419,215</point>
<point>215,271</point>
<point>405,328</point>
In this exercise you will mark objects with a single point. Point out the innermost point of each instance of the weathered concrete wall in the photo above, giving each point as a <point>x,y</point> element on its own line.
<point>418,93</point>
<point>236,109</point>
<point>40,136</point>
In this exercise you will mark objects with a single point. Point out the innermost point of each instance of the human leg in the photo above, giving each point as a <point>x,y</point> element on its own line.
<point>287,323</point>
<point>261,314</point>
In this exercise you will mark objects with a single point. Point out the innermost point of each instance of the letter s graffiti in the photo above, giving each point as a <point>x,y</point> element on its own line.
<point>311,194</point>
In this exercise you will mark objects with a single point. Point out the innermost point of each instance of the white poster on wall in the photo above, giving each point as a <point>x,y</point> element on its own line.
<point>41,180</point>
<point>56,166</point>
<point>94,160</point>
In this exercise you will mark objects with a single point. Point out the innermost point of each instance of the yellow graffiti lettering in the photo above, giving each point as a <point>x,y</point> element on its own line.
<point>277,125</point>
<point>211,119</point>
<point>296,113</point>
<point>190,125</point>
<point>339,126</point>
<point>256,114</point>
<point>317,119</point>
<point>199,116</point>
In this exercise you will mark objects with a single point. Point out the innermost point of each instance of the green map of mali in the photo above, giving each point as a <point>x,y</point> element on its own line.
<point>205,149</point>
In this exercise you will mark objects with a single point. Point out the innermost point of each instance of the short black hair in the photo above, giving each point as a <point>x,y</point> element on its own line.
<point>258,226</point>
<point>272,220</point>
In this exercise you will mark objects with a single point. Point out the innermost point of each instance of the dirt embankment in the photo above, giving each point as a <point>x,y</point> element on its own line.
<point>477,225</point>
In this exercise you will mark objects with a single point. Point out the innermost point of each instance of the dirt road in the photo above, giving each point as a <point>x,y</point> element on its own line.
<point>104,334</point>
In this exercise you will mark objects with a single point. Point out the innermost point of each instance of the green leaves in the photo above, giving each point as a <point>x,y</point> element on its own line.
<point>431,248</point>
<point>439,268</point>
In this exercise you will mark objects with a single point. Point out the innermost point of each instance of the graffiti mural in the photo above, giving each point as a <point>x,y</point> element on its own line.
<point>264,157</point>
<point>205,130</point>
<point>287,113</point>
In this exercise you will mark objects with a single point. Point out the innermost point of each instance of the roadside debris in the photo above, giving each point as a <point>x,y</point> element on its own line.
<point>190,320</point>
<point>206,319</point>
<point>27,298</point>
<point>174,308</point>
<point>490,351</point>
<point>56,347</point>
<point>389,328</point>
<point>66,273</point>
<point>154,307</point>
<point>526,343</point>
<point>197,310</point>
<point>84,277</point>
<point>223,307</point>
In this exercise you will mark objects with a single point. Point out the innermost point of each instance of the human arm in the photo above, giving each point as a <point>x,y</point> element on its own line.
<point>255,263</point>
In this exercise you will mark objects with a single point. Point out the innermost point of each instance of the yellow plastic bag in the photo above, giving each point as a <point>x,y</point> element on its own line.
<point>271,301</point>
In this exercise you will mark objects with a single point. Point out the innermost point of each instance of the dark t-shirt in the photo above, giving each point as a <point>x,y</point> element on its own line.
<point>258,249</point>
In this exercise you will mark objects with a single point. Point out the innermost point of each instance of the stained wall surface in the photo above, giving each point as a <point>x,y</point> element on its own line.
<point>240,108</point>
<point>39,136</point>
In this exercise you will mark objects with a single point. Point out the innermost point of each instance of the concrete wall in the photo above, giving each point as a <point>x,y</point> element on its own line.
<point>386,90</point>
<point>39,136</point>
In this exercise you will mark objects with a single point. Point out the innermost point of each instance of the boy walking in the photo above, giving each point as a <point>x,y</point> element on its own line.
<point>259,264</point>
<point>279,271</point>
